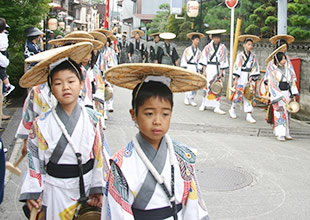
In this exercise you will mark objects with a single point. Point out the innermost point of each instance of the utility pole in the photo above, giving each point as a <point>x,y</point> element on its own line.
<point>282,16</point>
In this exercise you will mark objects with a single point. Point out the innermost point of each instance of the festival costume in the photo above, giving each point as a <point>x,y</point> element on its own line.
<point>136,50</point>
<point>245,67</point>
<point>163,184</point>
<point>190,60</point>
<point>213,58</point>
<point>167,54</point>
<point>282,86</point>
<point>50,154</point>
<point>136,195</point>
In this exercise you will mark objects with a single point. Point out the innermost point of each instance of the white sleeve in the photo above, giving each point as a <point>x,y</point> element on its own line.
<point>4,62</point>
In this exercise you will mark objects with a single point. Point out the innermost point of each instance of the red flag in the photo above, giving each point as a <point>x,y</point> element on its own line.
<point>106,16</point>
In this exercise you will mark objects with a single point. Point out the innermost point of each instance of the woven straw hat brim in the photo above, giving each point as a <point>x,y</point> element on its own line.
<point>289,39</point>
<point>141,33</point>
<point>99,36</point>
<point>280,49</point>
<point>190,35</point>
<point>167,36</point>
<point>129,75</point>
<point>107,33</point>
<point>254,38</point>
<point>113,38</point>
<point>154,34</point>
<point>38,74</point>
<point>60,42</point>
<point>217,31</point>
<point>79,34</point>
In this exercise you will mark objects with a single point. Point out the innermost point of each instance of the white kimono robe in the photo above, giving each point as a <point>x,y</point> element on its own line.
<point>47,143</point>
<point>213,66</point>
<point>244,68</point>
<point>279,98</point>
<point>190,60</point>
<point>131,185</point>
<point>270,67</point>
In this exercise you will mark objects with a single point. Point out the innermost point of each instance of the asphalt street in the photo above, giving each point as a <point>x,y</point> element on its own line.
<point>244,172</point>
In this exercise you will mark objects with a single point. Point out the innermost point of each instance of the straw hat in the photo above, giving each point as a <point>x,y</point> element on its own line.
<point>33,31</point>
<point>282,48</point>
<point>217,31</point>
<point>289,39</point>
<point>134,32</point>
<point>79,34</point>
<point>129,75</point>
<point>190,35</point>
<point>105,31</point>
<point>167,36</point>
<point>154,34</point>
<point>99,36</point>
<point>113,38</point>
<point>244,37</point>
<point>38,74</point>
<point>63,41</point>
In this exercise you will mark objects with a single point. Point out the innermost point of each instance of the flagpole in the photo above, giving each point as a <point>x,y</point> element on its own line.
<point>106,16</point>
<point>231,49</point>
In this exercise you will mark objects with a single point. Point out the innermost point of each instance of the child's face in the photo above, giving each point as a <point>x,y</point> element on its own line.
<point>283,61</point>
<point>153,119</point>
<point>66,87</point>
<point>248,46</point>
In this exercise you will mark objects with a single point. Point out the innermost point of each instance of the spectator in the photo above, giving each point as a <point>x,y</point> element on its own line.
<point>4,59</point>
<point>34,35</point>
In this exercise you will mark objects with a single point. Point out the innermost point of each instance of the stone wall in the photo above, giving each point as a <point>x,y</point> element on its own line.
<point>262,49</point>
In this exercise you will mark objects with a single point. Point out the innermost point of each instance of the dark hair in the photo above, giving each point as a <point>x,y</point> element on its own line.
<point>2,24</point>
<point>281,42</point>
<point>65,65</point>
<point>278,57</point>
<point>31,38</point>
<point>195,36</point>
<point>148,90</point>
<point>247,40</point>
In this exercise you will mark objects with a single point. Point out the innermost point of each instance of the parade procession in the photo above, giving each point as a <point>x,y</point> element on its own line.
<point>150,110</point>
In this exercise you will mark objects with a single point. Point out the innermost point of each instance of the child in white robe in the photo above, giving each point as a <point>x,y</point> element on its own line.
<point>67,153</point>
<point>153,177</point>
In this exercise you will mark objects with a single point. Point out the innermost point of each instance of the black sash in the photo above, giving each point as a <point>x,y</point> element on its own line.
<point>247,59</point>
<point>155,214</point>
<point>215,51</point>
<point>194,52</point>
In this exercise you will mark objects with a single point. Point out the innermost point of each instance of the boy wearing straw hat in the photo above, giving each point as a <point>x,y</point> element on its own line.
<point>167,53</point>
<point>246,72</point>
<point>214,61</point>
<point>66,148</point>
<point>123,48</point>
<point>136,49</point>
<point>153,177</point>
<point>190,60</point>
<point>282,89</point>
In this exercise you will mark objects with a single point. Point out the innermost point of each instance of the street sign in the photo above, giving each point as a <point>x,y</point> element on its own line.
<point>231,3</point>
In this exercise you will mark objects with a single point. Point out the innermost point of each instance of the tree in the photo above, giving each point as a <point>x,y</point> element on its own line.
<point>160,21</point>
<point>20,14</point>
<point>298,19</point>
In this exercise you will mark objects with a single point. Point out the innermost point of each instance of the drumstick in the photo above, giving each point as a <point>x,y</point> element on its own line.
<point>14,167</point>
<point>33,214</point>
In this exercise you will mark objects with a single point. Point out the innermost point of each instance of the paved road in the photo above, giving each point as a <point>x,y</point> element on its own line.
<point>243,171</point>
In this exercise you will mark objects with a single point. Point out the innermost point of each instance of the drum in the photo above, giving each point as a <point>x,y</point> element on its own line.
<point>248,92</point>
<point>216,87</point>
<point>88,213</point>
<point>108,93</point>
<point>293,107</point>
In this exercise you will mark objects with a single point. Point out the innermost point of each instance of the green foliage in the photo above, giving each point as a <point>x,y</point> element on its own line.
<point>160,21</point>
<point>20,14</point>
<point>298,19</point>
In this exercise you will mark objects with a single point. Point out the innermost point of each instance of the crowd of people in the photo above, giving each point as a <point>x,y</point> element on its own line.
<point>70,171</point>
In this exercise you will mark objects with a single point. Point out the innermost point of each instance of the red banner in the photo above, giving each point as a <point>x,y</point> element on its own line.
<point>106,16</point>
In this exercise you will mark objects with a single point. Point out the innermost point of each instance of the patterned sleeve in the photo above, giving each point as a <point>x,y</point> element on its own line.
<point>273,86</point>
<point>33,183</point>
<point>237,65</point>
<point>255,68</point>
<point>184,59</point>
<point>204,57</point>
<point>224,58</point>
<point>117,198</point>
